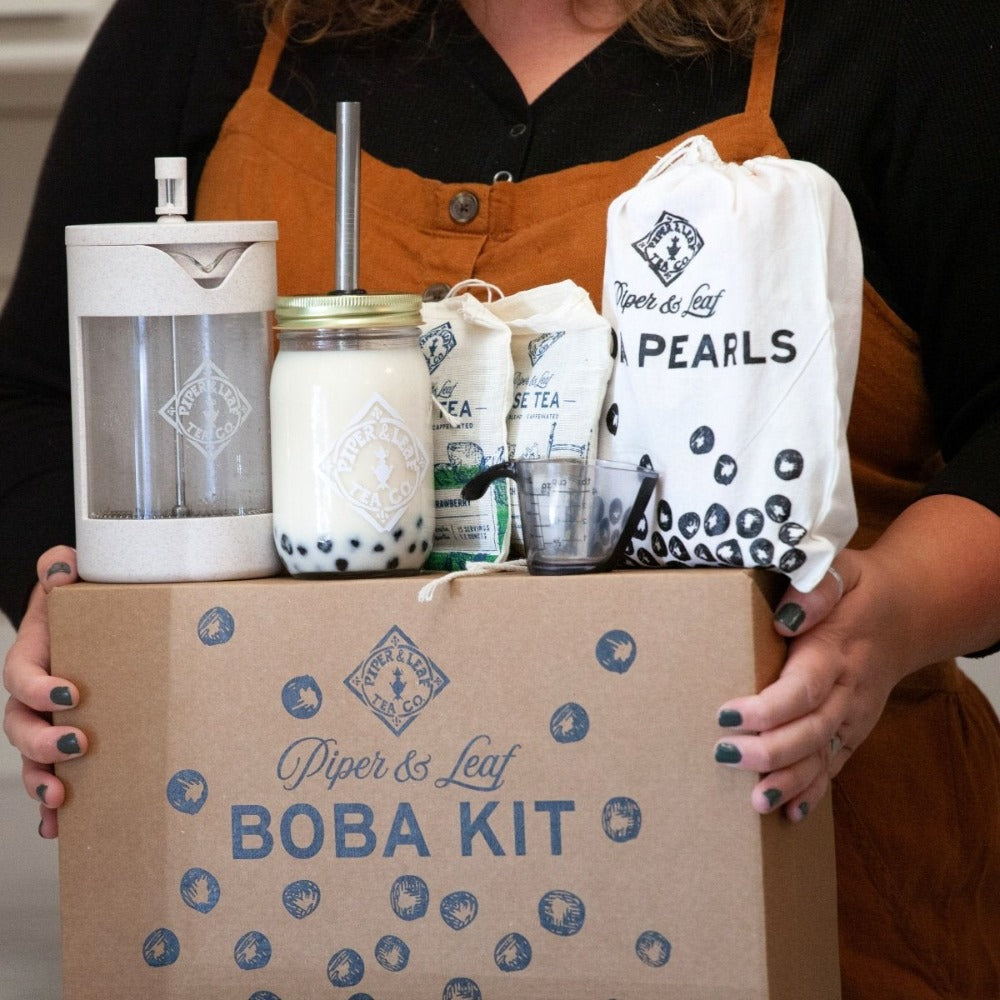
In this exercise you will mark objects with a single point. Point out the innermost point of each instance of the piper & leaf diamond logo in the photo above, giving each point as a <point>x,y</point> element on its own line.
<point>207,410</point>
<point>377,464</point>
<point>396,680</point>
<point>538,347</point>
<point>669,247</point>
<point>437,343</point>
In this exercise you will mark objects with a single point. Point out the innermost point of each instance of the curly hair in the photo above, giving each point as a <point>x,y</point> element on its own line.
<point>672,27</point>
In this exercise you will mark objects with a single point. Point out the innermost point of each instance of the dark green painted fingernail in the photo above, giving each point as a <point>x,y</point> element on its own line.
<point>803,809</point>
<point>57,567</point>
<point>773,796</point>
<point>729,718</point>
<point>68,744</point>
<point>726,753</point>
<point>61,696</point>
<point>40,792</point>
<point>791,616</point>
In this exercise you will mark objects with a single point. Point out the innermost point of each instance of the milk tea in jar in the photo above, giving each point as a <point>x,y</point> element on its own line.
<point>351,446</point>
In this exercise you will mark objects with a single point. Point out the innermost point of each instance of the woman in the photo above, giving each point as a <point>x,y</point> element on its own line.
<point>571,102</point>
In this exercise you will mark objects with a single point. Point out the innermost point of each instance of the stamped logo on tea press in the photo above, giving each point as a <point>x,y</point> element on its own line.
<point>377,464</point>
<point>396,680</point>
<point>669,247</point>
<point>207,410</point>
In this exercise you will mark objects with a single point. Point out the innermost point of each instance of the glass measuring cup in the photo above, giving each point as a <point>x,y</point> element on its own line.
<point>576,516</point>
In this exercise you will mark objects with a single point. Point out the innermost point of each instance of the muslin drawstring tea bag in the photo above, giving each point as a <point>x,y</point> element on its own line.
<point>735,294</point>
<point>561,349</point>
<point>467,350</point>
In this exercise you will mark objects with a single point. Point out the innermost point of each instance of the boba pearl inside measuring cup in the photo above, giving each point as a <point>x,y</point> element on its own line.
<point>351,445</point>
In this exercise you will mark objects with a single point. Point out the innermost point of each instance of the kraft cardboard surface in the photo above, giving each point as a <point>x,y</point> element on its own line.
<point>302,789</point>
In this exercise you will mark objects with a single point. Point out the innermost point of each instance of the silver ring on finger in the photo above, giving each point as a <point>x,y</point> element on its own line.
<point>838,580</point>
<point>836,745</point>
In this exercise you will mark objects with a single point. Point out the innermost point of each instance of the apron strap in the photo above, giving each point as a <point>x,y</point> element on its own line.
<point>765,59</point>
<point>270,54</point>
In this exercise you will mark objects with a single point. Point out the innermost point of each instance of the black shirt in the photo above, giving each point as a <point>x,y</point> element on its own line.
<point>898,100</point>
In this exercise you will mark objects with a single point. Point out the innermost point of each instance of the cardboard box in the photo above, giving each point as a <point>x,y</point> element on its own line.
<point>309,789</point>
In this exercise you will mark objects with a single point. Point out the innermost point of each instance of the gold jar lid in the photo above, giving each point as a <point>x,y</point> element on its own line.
<point>311,312</point>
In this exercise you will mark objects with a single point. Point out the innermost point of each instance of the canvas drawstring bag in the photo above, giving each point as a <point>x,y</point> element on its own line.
<point>467,350</point>
<point>561,349</point>
<point>734,291</point>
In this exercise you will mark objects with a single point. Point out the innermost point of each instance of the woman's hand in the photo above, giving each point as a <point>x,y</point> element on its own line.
<point>928,590</point>
<point>35,696</point>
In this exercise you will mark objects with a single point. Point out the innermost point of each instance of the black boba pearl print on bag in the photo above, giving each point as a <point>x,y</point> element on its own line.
<point>664,516</point>
<point>788,464</point>
<point>791,560</point>
<point>791,533</point>
<point>611,419</point>
<point>778,507</point>
<point>716,520</point>
<point>678,550</point>
<point>755,531</point>
<point>749,523</point>
<point>725,470</point>
<point>689,524</point>
<point>729,552</point>
<point>702,440</point>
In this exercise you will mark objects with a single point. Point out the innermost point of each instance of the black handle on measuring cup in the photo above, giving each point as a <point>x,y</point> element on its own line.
<point>643,494</point>
<point>480,482</point>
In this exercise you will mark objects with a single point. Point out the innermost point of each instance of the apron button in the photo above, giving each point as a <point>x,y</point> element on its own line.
<point>436,292</point>
<point>464,207</point>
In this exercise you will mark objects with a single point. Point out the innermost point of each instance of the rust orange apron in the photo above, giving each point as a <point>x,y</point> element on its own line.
<point>918,805</point>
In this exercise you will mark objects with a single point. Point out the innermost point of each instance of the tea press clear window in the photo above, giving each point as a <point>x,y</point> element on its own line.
<point>177,424</point>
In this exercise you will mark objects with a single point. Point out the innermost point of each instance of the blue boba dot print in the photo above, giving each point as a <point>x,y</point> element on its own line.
<point>392,953</point>
<point>461,988</point>
<point>569,723</point>
<point>264,995</point>
<point>216,627</point>
<point>512,953</point>
<point>616,651</point>
<point>200,890</point>
<point>561,912</point>
<point>301,898</point>
<point>187,791</point>
<point>621,819</point>
<point>459,909</point>
<point>345,968</point>
<point>653,949</point>
<point>252,951</point>
<point>360,996</point>
<point>409,897</point>
<point>302,697</point>
<point>161,948</point>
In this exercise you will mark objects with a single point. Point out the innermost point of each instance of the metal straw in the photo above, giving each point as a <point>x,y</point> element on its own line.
<point>347,183</point>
